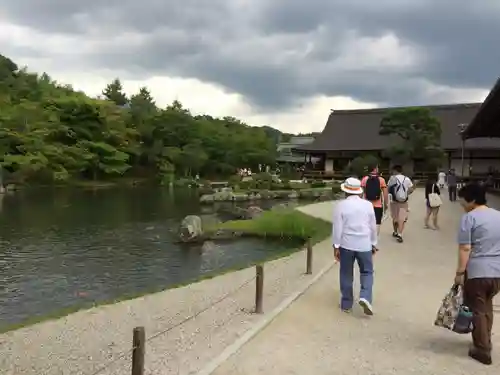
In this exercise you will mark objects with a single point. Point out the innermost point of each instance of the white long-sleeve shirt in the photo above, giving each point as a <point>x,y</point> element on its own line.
<point>354,224</point>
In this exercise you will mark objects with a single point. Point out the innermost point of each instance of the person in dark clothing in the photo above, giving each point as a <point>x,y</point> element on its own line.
<point>451,180</point>
<point>431,187</point>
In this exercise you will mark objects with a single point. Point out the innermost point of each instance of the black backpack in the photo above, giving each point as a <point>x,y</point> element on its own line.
<point>373,191</point>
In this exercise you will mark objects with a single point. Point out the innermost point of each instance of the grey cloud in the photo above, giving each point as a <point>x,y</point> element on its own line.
<point>278,52</point>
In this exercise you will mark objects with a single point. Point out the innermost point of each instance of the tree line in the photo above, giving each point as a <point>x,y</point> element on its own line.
<point>51,133</point>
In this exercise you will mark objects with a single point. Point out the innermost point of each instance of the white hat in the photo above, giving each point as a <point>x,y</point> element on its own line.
<point>352,186</point>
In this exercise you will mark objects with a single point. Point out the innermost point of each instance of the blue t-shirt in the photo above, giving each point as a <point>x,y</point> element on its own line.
<point>480,229</point>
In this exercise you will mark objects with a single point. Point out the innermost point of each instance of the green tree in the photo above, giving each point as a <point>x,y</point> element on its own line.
<point>114,92</point>
<point>359,166</point>
<point>50,132</point>
<point>417,135</point>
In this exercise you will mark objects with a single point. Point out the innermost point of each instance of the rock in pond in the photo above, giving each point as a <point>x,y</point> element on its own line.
<point>191,228</point>
<point>240,213</point>
<point>254,212</point>
<point>226,196</point>
<point>284,206</point>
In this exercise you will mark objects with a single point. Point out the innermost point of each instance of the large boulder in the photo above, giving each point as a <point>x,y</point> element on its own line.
<point>207,198</point>
<point>254,212</point>
<point>191,228</point>
<point>267,194</point>
<point>241,197</point>
<point>223,196</point>
<point>284,206</point>
<point>240,213</point>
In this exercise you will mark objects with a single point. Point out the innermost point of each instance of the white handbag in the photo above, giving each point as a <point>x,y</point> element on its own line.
<point>434,199</point>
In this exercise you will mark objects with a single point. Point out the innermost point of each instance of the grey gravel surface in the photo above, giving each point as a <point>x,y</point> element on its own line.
<point>86,341</point>
<point>314,337</point>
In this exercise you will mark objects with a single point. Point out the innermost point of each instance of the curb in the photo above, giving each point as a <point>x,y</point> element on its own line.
<point>260,325</point>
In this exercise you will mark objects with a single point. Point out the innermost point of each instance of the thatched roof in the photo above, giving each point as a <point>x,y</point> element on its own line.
<point>358,130</point>
<point>486,122</point>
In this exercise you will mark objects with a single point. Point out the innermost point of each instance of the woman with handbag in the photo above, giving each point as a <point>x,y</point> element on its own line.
<point>478,267</point>
<point>432,201</point>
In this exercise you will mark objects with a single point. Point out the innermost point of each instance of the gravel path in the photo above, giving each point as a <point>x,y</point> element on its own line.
<point>84,342</point>
<point>313,337</point>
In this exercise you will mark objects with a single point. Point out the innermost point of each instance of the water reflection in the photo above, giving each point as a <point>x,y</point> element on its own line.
<point>61,248</point>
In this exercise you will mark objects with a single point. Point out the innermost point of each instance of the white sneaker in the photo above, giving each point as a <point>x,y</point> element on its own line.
<point>366,306</point>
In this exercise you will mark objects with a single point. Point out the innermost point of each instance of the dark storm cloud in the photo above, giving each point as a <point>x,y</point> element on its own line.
<point>277,52</point>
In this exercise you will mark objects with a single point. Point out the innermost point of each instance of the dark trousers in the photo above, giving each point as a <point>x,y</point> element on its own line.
<point>452,193</point>
<point>478,296</point>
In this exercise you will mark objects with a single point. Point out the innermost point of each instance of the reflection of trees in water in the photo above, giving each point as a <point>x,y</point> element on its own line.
<point>202,258</point>
<point>191,258</point>
<point>213,255</point>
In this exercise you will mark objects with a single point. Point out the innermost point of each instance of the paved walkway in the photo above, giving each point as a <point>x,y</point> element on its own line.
<point>314,337</point>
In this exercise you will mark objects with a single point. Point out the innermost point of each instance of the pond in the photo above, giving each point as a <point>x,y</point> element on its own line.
<point>67,248</point>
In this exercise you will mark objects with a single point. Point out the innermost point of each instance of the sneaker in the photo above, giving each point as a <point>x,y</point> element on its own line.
<point>394,234</point>
<point>366,306</point>
<point>399,238</point>
<point>347,311</point>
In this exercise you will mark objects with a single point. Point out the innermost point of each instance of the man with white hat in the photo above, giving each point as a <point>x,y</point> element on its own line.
<point>355,240</point>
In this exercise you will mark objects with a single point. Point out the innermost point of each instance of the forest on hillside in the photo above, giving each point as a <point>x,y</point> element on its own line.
<point>51,133</point>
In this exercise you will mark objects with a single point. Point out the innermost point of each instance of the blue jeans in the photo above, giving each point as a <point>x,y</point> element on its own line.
<point>365,264</point>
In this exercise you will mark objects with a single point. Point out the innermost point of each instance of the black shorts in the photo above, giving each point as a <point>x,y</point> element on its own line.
<point>379,212</point>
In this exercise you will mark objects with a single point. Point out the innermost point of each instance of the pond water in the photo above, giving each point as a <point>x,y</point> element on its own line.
<point>61,249</point>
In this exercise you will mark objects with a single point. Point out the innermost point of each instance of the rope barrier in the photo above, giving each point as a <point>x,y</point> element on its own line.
<point>125,353</point>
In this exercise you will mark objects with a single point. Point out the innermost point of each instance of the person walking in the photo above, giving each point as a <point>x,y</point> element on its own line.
<point>375,191</point>
<point>451,180</point>
<point>400,187</point>
<point>441,179</point>
<point>479,266</point>
<point>432,202</point>
<point>355,240</point>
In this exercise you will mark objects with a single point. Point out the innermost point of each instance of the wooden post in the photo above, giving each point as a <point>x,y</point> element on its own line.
<point>309,257</point>
<point>138,351</point>
<point>259,288</point>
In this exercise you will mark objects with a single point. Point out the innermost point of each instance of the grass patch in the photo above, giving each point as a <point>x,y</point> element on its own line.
<point>286,223</point>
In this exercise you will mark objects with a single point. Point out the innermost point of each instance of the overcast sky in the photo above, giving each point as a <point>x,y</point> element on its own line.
<point>279,62</point>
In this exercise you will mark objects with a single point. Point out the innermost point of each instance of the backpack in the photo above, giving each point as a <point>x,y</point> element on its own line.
<point>399,192</point>
<point>372,188</point>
